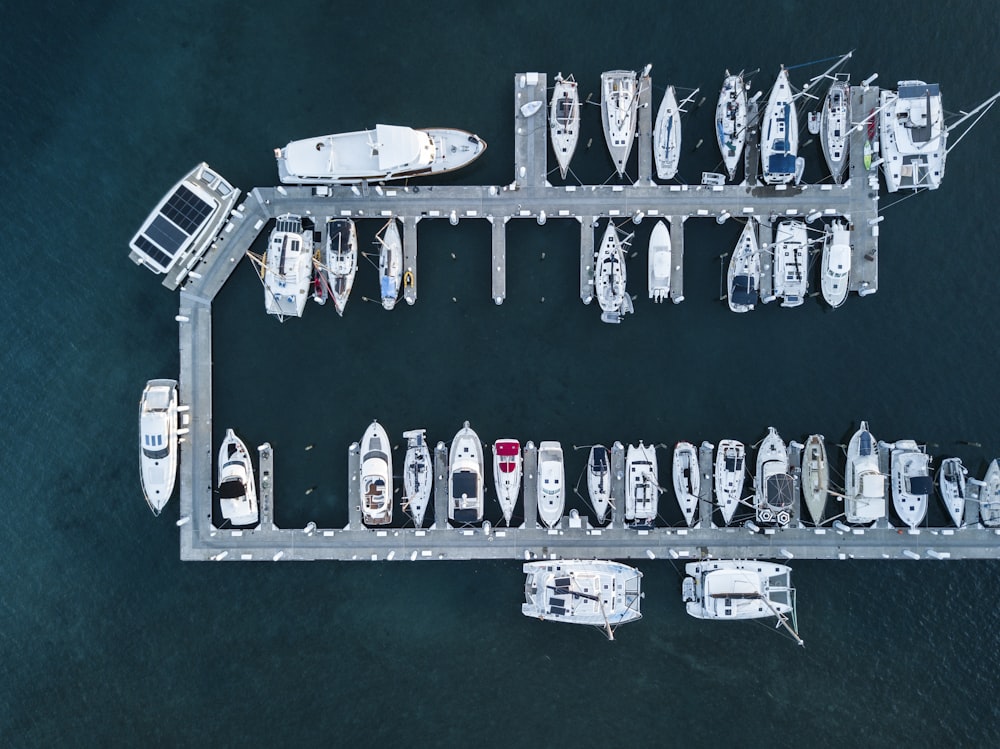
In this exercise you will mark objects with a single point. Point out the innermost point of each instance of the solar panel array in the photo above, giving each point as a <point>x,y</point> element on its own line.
<point>182,216</point>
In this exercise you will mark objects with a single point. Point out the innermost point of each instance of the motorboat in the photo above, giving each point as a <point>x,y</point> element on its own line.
<point>836,263</point>
<point>989,497</point>
<point>599,480</point>
<point>287,267</point>
<point>594,592</point>
<point>551,483</point>
<point>418,475</point>
<point>507,468</point>
<point>791,262</point>
<point>951,484</point>
<point>659,262</point>
<point>774,486</point>
<point>237,488</point>
<point>158,442</point>
<point>390,264</point>
<point>642,488</point>
<point>388,152</point>
<point>911,482</point>
<point>731,121</point>
<point>743,281</point>
<point>564,121</point>
<point>531,108</point>
<point>465,478</point>
<point>835,126</point>
<point>815,477</point>
<point>779,135</point>
<point>912,136</point>
<point>730,475</point>
<point>864,490</point>
<point>619,100</point>
<point>340,259</point>
<point>687,479</point>
<point>667,136</point>
<point>376,476</point>
<point>610,278</point>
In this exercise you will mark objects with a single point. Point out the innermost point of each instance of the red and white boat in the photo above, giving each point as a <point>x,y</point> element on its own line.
<point>507,474</point>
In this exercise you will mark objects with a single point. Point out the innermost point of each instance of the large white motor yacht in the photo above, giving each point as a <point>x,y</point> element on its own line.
<point>912,136</point>
<point>376,476</point>
<point>288,267</point>
<point>158,442</point>
<point>864,490</point>
<point>465,478</point>
<point>659,262</point>
<point>836,272</point>
<point>911,482</point>
<point>791,262</point>
<point>237,488</point>
<point>551,483</point>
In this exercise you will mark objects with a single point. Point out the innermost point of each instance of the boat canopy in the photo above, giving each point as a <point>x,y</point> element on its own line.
<point>780,490</point>
<point>921,485</point>
<point>399,147</point>
<point>464,484</point>
<point>840,257</point>
<point>508,448</point>
<point>744,290</point>
<point>781,163</point>
<point>872,485</point>
<point>232,489</point>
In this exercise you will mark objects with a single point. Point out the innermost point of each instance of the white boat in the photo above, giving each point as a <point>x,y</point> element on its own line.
<point>599,480</point>
<point>835,127</point>
<point>659,262</point>
<point>911,482</point>
<point>340,259</point>
<point>951,483</point>
<point>667,136</point>
<point>594,592</point>
<point>779,135</point>
<point>687,479</point>
<point>619,99</point>
<point>836,273</point>
<point>912,136</point>
<point>730,475</point>
<point>791,262</point>
<point>815,477</point>
<point>158,442</point>
<point>864,490</point>
<point>388,152</point>
<point>774,487</point>
<point>743,280</point>
<point>551,485</point>
<point>731,121</point>
<point>989,497</point>
<point>390,264</point>
<point>610,277</point>
<point>237,488</point>
<point>531,108</point>
<point>465,478</point>
<point>564,121</point>
<point>507,468</point>
<point>418,475</point>
<point>642,487</point>
<point>376,476</point>
<point>288,267</point>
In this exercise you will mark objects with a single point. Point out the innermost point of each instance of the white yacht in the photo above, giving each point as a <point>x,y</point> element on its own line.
<point>642,489</point>
<point>815,477</point>
<point>730,475</point>
<point>790,262</point>
<point>667,136</point>
<point>599,480</point>
<point>507,468</point>
<point>951,483</point>
<point>835,127</point>
<point>687,479</point>
<point>731,121</point>
<point>340,259</point>
<point>237,488</point>
<point>619,99</point>
<point>912,136</point>
<point>288,267</point>
<point>779,135</point>
<point>610,277</point>
<point>836,263</point>
<point>376,476</point>
<point>743,281</point>
<point>465,478</point>
<point>158,442</point>
<point>594,592</point>
<point>864,490</point>
<point>418,475</point>
<point>388,152</point>
<point>740,589</point>
<point>989,496</point>
<point>390,264</point>
<point>911,482</point>
<point>659,262</point>
<point>774,487</point>
<point>551,483</point>
<point>564,121</point>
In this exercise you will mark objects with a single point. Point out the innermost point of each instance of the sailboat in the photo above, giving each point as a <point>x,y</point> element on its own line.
<point>642,488</point>
<point>743,281</point>
<point>774,487</point>
<point>507,467</point>
<point>418,475</point>
<point>815,477</point>
<point>599,480</point>
<point>687,479</point>
<point>610,278</point>
<point>835,126</point>
<point>659,262</point>
<point>158,442</point>
<point>376,476</point>
<point>731,121</point>
<point>667,136</point>
<point>237,488</point>
<point>730,476</point>
<point>836,263</point>
<point>551,483</point>
<point>564,121</point>
<point>390,264</point>
<point>790,262</point>
<point>779,135</point>
<point>911,482</point>
<point>340,259</point>
<point>864,490</point>
<point>952,476</point>
<point>619,99</point>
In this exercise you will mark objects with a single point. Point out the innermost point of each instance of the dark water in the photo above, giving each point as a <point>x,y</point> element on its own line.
<point>107,639</point>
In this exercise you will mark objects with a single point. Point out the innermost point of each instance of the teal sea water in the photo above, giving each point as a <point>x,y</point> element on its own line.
<point>108,639</point>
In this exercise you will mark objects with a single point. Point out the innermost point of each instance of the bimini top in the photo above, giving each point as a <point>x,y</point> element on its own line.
<point>744,290</point>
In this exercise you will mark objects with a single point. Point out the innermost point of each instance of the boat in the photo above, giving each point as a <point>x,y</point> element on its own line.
<point>731,121</point>
<point>564,121</point>
<point>667,136</point>
<point>730,475</point>
<point>418,475</point>
<point>619,99</point>
<point>158,442</point>
<point>687,479</point>
<point>871,137</point>
<point>911,482</point>
<point>507,474</point>
<point>912,136</point>
<point>951,484</point>
<point>465,478</point>
<point>237,488</point>
<point>610,278</point>
<point>659,262</point>
<point>864,500</point>
<point>288,267</point>
<point>376,476</point>
<point>743,281</point>
<point>551,483</point>
<point>593,591</point>
<point>642,489</point>
<point>774,486</point>
<point>390,264</point>
<point>531,108</point>
<point>388,152</point>
<point>341,259</point>
<point>791,262</point>
<point>836,263</point>
<point>779,135</point>
<point>815,477</point>
<point>989,497</point>
<point>599,480</point>
<point>835,126</point>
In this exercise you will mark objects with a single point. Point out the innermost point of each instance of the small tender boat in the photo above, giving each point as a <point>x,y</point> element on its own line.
<point>619,99</point>
<point>599,480</point>
<point>287,268</point>
<point>390,264</point>
<point>836,263</point>
<point>465,478</point>
<point>744,271</point>
<point>864,490</point>
<point>564,121</point>
<point>376,476</point>
<point>531,108</point>
<point>418,475</point>
<point>158,442</point>
<point>835,127</point>
<point>237,488</point>
<point>815,477</point>
<point>507,474</point>
<point>687,479</point>
<point>610,278</point>
<point>791,262</point>
<point>951,483</point>
<point>731,121</point>
<point>341,259</point>
<point>779,135</point>
<point>774,487</point>
<point>642,487</point>
<point>667,136</point>
<point>551,483</point>
<point>911,482</point>
<point>659,262</point>
<point>989,497</point>
<point>730,475</point>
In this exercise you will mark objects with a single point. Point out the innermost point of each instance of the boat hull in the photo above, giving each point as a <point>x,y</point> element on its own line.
<point>737,589</point>
<point>507,469</point>
<point>619,99</point>
<point>952,477</point>
<point>667,136</point>
<point>418,475</point>
<point>743,279</point>
<point>551,484</point>
<point>465,478</point>
<point>911,482</point>
<point>592,592</point>
<point>686,479</point>
<point>376,476</point>
<point>779,136</point>
<point>815,477</point>
<point>599,480</point>
<point>564,122</point>
<point>864,485</point>
<point>641,485</point>
<point>158,442</point>
<point>835,128</point>
<point>730,477</point>
<point>390,264</point>
<point>836,264</point>
<point>237,488</point>
<point>731,122</point>
<point>659,262</point>
<point>341,260</point>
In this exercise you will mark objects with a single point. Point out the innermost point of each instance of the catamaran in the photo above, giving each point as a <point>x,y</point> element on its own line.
<point>730,475</point>
<point>952,476</point>
<point>687,479</point>
<point>564,121</point>
<point>642,488</point>
<point>158,442</point>
<point>743,280</point>
<point>911,482</point>
<point>835,126</point>
<point>836,263</point>
<point>610,278</point>
<point>288,267</point>
<point>815,477</point>
<point>864,500</point>
<point>731,121</point>
<point>659,262</point>
<point>507,474</point>
<point>376,476</point>
<point>667,136</point>
<point>912,136</point>
<point>390,263</point>
<point>774,487</point>
<point>791,262</point>
<point>779,135</point>
<point>989,496</point>
<point>619,99</point>
<point>340,259</point>
<point>551,483</point>
<point>237,489</point>
<point>418,475</point>
<point>599,480</point>
<point>465,478</point>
